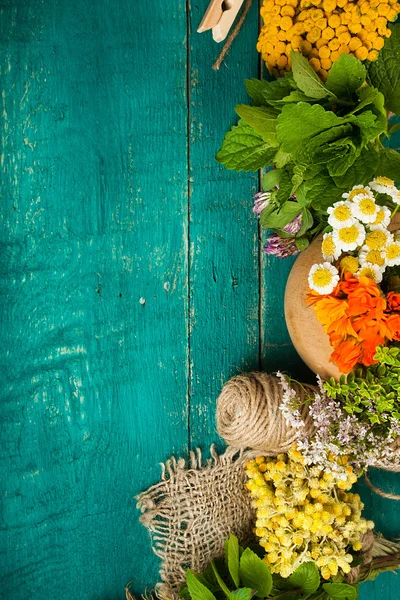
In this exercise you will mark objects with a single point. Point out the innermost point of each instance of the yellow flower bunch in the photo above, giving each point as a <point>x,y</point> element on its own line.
<point>322,30</point>
<point>305,513</point>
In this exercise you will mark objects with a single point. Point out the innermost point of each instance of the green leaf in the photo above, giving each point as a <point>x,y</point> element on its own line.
<point>232,552</point>
<point>302,243</point>
<point>393,127</point>
<point>346,75</point>
<point>197,590</point>
<point>362,171</point>
<point>278,218</point>
<point>265,92</point>
<point>244,149</point>
<point>384,73</point>
<point>307,222</point>
<point>389,164</point>
<point>270,179</point>
<point>341,591</point>
<point>262,119</point>
<point>320,192</point>
<point>306,78</point>
<point>255,574</point>
<point>219,579</point>
<point>299,123</point>
<point>306,576</point>
<point>242,594</point>
<point>298,96</point>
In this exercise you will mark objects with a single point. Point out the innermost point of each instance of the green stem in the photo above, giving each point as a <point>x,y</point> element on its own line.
<point>395,210</point>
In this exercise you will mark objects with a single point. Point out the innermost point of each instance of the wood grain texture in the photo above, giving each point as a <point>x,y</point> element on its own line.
<point>93,287</point>
<point>224,285</point>
<point>121,316</point>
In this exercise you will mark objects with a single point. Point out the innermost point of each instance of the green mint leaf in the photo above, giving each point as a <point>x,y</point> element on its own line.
<point>242,594</point>
<point>197,590</point>
<point>389,164</point>
<point>298,96</point>
<point>319,193</point>
<point>307,222</point>
<point>341,591</point>
<point>306,576</point>
<point>306,78</point>
<point>255,574</point>
<point>270,179</point>
<point>384,73</point>
<point>265,92</point>
<point>262,119</point>
<point>362,171</point>
<point>279,217</point>
<point>299,123</point>
<point>232,554</point>
<point>366,96</point>
<point>346,75</point>
<point>243,149</point>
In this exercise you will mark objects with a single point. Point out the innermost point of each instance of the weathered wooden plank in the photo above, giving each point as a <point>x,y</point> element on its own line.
<point>93,287</point>
<point>224,287</point>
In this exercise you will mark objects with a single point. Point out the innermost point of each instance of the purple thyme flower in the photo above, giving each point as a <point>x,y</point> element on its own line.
<point>261,201</point>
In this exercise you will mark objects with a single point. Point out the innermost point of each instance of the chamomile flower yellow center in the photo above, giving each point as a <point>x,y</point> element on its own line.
<point>384,181</point>
<point>349,264</point>
<point>364,209</point>
<point>375,257</point>
<point>357,191</point>
<point>328,245</point>
<point>340,214</point>
<point>377,239</point>
<point>350,237</point>
<point>392,254</point>
<point>371,271</point>
<point>323,278</point>
<point>382,217</point>
<point>384,185</point>
<point>330,251</point>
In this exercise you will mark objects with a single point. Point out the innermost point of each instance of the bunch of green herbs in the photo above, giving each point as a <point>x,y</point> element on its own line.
<point>321,138</point>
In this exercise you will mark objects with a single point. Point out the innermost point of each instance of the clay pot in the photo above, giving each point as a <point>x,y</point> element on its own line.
<point>308,336</point>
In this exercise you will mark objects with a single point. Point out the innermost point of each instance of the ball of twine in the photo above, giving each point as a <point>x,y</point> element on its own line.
<point>249,415</point>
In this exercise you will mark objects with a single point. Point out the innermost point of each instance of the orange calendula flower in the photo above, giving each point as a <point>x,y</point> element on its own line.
<point>393,301</point>
<point>347,354</point>
<point>357,318</point>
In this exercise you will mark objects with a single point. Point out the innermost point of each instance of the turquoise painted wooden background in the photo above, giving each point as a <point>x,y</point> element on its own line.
<point>133,282</point>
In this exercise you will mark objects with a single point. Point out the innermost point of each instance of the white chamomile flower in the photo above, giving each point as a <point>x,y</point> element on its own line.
<point>371,271</point>
<point>323,278</point>
<point>330,251</point>
<point>384,185</point>
<point>382,218</point>
<point>375,257</point>
<point>378,239</point>
<point>364,209</point>
<point>349,238</point>
<point>392,254</point>
<point>340,215</point>
<point>358,190</point>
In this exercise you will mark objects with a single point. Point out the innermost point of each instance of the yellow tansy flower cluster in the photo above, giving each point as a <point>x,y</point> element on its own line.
<point>322,30</point>
<point>305,513</point>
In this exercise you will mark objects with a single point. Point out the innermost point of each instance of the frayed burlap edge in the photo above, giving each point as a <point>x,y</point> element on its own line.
<point>192,511</point>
